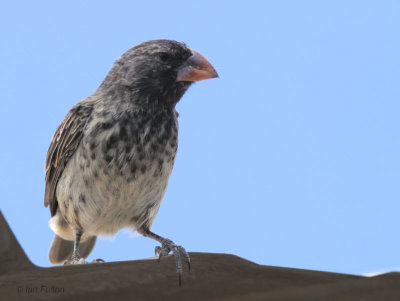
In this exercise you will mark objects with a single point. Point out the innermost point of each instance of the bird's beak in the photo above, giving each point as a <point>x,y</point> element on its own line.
<point>196,68</point>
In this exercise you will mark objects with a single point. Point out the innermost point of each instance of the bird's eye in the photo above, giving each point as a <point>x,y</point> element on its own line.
<point>163,56</point>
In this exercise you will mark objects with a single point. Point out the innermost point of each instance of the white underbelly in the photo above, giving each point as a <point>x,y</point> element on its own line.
<point>105,203</point>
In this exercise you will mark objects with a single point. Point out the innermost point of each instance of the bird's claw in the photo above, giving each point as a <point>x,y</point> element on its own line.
<point>98,260</point>
<point>77,260</point>
<point>169,246</point>
<point>81,260</point>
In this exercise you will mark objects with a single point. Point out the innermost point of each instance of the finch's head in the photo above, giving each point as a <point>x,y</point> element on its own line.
<point>161,69</point>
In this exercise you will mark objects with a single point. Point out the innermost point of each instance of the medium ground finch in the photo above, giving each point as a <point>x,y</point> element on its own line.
<point>110,159</point>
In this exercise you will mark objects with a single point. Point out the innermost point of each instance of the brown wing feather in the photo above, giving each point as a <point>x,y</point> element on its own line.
<point>64,144</point>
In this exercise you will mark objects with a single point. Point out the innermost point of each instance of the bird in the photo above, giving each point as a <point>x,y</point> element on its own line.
<point>110,159</point>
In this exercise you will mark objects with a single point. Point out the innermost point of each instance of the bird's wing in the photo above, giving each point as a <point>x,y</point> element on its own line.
<point>64,144</point>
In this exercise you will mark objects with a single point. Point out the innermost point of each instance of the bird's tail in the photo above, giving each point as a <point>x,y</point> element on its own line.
<point>61,249</point>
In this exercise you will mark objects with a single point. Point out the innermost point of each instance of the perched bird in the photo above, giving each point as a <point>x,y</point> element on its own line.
<point>110,159</point>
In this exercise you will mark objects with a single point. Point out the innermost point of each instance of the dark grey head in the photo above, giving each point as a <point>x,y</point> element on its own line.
<point>159,70</point>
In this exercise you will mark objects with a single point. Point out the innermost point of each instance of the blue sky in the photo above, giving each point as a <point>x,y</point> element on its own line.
<point>291,158</point>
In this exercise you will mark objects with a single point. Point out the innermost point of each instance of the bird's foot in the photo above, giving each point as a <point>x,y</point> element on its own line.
<point>82,261</point>
<point>169,246</point>
<point>98,260</point>
<point>75,260</point>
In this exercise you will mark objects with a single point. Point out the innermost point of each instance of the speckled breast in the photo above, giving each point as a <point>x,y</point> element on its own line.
<point>121,169</point>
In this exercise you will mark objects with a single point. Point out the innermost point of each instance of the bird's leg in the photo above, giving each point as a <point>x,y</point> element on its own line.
<point>168,246</point>
<point>76,258</point>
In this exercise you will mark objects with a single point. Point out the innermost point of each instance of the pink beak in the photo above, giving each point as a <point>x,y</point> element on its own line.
<point>196,68</point>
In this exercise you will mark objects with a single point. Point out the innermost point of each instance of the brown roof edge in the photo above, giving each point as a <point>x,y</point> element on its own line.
<point>212,277</point>
<point>12,257</point>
